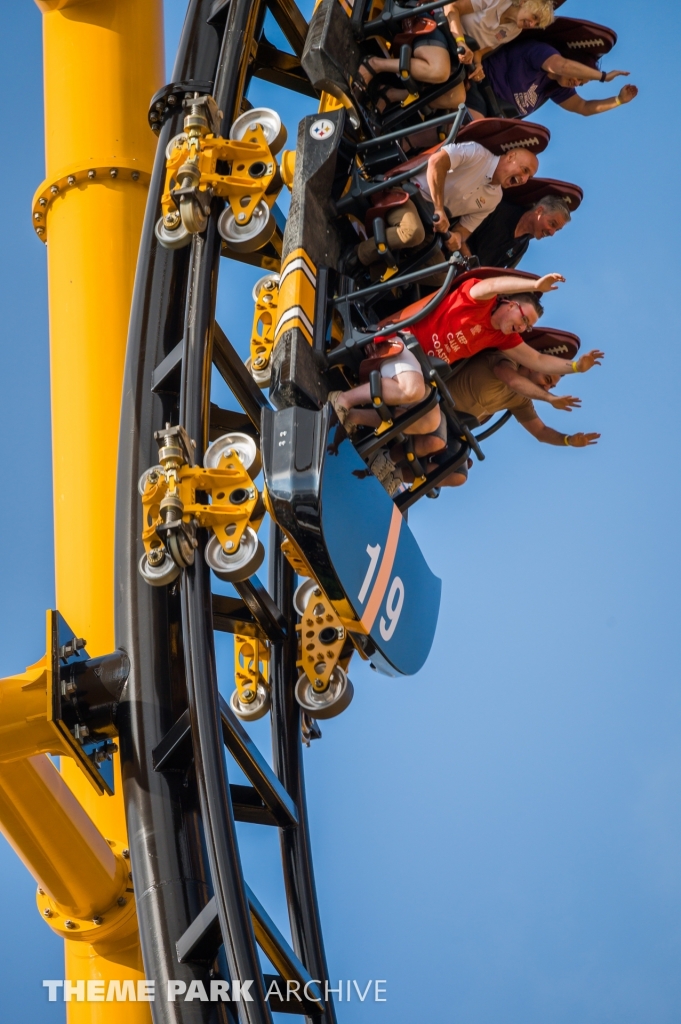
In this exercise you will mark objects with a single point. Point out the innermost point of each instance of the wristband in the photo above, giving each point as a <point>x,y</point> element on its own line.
<point>575,367</point>
<point>603,75</point>
<point>460,39</point>
<point>567,440</point>
<point>618,101</point>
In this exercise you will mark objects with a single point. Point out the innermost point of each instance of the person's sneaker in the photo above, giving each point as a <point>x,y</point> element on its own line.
<point>382,467</point>
<point>389,476</point>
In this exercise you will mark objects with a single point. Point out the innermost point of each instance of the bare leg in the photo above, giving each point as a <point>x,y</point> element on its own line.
<point>451,99</point>
<point>406,388</point>
<point>430,64</point>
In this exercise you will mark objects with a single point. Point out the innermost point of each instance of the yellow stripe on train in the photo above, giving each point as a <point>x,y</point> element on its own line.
<point>297,283</point>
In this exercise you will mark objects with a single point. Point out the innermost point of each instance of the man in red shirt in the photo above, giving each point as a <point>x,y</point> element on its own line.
<point>480,314</point>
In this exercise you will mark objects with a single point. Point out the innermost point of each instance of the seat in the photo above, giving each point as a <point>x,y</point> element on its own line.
<point>575,39</point>
<point>365,199</point>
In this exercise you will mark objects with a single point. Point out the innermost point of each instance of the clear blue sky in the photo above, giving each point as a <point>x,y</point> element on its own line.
<point>500,837</point>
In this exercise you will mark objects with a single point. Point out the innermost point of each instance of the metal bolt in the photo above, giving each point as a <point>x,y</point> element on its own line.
<point>71,179</point>
<point>36,216</point>
<point>247,694</point>
<point>92,173</point>
<point>41,891</point>
<point>259,361</point>
<point>47,912</point>
<point>241,216</point>
<point>159,105</point>
<point>121,901</point>
<point>153,118</point>
<point>126,853</point>
<point>70,924</point>
<point>54,189</point>
<point>41,231</point>
<point>172,100</point>
<point>98,920</point>
<point>135,175</point>
<point>114,172</point>
<point>156,556</point>
<point>42,201</point>
<point>81,732</point>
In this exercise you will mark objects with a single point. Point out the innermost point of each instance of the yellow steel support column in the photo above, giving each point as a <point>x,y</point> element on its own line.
<point>103,61</point>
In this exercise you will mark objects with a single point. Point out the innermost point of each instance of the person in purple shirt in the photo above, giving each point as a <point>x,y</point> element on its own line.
<point>527,73</point>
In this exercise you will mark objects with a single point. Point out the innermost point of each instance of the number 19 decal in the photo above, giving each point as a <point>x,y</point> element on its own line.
<point>393,608</point>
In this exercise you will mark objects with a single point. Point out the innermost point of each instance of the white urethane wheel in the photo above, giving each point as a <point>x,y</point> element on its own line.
<point>251,236</point>
<point>142,483</point>
<point>251,711</point>
<point>274,131</point>
<point>175,239</point>
<point>158,575</point>
<point>234,568</point>
<point>302,595</point>
<point>333,701</point>
<point>175,143</point>
<point>243,445</point>
<point>261,282</point>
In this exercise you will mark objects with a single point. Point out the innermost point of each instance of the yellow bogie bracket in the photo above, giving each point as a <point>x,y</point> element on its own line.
<point>321,635</point>
<point>251,699</point>
<point>233,514</point>
<point>250,186</point>
<point>266,298</point>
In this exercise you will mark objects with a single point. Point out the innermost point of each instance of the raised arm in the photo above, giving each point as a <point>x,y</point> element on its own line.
<point>533,360</point>
<point>578,105</point>
<point>524,386</point>
<point>547,435</point>
<point>487,289</point>
<point>566,68</point>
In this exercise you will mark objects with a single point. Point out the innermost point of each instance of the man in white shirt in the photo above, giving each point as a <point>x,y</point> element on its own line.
<point>463,180</point>
<point>466,181</point>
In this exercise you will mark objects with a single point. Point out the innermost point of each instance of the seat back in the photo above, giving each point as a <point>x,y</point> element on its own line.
<point>552,342</point>
<point>501,134</point>
<point>536,188</point>
<point>583,41</point>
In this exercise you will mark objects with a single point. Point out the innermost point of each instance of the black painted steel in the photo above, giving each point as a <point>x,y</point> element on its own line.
<point>179,809</point>
<point>287,751</point>
<point>164,828</point>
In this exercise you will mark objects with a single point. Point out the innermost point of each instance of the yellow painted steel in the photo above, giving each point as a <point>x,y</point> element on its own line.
<point>102,62</point>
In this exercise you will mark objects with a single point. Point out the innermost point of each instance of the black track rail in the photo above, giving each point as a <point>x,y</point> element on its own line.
<point>180,810</point>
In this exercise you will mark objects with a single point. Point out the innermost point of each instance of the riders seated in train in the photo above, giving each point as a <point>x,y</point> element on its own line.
<point>477,314</point>
<point>504,236</point>
<point>467,180</point>
<point>492,23</point>
<point>526,74</point>
<point>423,55</point>
<point>488,383</point>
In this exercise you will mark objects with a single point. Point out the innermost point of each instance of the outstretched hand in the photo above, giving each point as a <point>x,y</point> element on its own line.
<point>565,403</point>
<point>628,93</point>
<point>547,283</point>
<point>615,74</point>
<point>582,440</point>
<point>592,358</point>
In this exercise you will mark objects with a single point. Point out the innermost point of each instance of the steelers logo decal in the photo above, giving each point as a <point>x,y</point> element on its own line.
<point>322,129</point>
